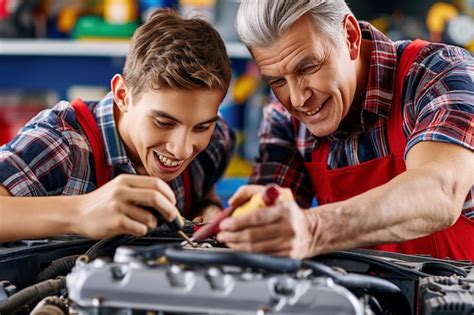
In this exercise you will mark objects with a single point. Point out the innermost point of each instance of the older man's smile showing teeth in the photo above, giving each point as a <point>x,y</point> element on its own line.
<point>314,111</point>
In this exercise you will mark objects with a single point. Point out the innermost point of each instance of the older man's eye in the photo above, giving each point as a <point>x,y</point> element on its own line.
<point>310,69</point>
<point>278,83</point>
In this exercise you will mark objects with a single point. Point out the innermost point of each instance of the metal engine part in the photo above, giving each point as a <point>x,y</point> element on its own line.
<point>447,295</point>
<point>155,275</point>
<point>137,286</point>
<point>6,289</point>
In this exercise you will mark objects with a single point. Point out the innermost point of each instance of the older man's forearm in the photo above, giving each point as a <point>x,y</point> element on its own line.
<point>412,205</point>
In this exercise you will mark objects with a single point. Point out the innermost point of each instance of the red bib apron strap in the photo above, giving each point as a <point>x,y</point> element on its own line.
<point>89,125</point>
<point>396,137</point>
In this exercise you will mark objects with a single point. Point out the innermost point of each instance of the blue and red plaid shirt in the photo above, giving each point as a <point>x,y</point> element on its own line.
<point>438,106</point>
<point>52,156</point>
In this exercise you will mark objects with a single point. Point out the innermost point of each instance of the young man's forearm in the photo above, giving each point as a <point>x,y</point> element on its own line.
<point>36,217</point>
<point>115,208</point>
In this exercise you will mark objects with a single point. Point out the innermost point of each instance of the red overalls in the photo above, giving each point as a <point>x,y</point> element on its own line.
<point>456,242</point>
<point>102,168</point>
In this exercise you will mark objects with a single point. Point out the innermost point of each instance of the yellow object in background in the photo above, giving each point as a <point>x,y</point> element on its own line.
<point>67,18</point>
<point>381,23</point>
<point>238,167</point>
<point>120,11</point>
<point>438,16</point>
<point>197,2</point>
<point>470,47</point>
<point>244,86</point>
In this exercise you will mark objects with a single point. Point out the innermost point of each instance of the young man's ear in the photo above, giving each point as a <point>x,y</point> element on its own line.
<point>120,92</point>
<point>353,36</point>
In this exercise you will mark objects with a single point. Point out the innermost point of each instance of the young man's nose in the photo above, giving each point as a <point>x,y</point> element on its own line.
<point>180,147</point>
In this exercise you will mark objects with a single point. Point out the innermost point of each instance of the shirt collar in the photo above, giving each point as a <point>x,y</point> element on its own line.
<point>383,63</point>
<point>114,148</point>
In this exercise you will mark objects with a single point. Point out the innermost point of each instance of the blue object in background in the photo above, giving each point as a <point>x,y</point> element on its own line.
<point>226,187</point>
<point>233,114</point>
<point>147,7</point>
<point>252,116</point>
<point>147,4</point>
<point>58,72</point>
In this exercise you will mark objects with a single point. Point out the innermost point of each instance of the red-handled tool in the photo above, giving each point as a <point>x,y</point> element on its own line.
<point>212,228</point>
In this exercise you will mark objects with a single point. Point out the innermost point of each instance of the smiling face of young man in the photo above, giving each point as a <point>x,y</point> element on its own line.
<point>163,130</point>
<point>311,76</point>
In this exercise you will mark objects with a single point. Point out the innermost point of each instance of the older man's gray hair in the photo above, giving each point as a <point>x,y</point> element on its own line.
<point>261,22</point>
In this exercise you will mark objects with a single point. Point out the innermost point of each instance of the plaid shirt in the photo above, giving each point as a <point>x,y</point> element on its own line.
<point>438,106</point>
<point>52,156</point>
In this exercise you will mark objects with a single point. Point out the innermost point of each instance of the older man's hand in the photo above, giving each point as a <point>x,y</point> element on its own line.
<point>284,230</point>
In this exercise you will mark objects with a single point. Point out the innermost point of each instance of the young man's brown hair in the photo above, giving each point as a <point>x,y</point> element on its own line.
<point>169,51</point>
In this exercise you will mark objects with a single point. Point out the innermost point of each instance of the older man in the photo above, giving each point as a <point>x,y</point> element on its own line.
<point>380,132</point>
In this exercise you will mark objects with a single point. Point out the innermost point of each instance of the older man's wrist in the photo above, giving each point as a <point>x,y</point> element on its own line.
<point>313,228</point>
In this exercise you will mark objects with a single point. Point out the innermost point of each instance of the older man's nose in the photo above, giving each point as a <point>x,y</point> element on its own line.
<point>299,94</point>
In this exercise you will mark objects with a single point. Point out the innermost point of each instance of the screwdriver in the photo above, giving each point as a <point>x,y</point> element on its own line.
<point>176,225</point>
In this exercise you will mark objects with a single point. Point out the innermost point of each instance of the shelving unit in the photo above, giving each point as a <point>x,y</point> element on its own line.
<point>45,64</point>
<point>64,47</point>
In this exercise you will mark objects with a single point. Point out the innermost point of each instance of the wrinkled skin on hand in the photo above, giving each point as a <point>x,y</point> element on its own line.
<point>283,229</point>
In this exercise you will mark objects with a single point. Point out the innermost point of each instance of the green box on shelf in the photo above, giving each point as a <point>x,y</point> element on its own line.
<point>94,27</point>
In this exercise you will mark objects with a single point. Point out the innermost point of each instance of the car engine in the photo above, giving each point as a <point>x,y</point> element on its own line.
<point>158,274</point>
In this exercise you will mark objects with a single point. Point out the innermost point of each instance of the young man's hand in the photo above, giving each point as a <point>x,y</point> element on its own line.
<point>115,207</point>
<point>212,207</point>
<point>283,229</point>
<point>207,214</point>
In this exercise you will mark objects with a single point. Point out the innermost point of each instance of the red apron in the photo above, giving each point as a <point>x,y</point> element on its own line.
<point>102,169</point>
<point>455,242</point>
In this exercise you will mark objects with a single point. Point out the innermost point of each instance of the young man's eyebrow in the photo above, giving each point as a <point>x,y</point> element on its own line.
<point>209,121</point>
<point>162,114</point>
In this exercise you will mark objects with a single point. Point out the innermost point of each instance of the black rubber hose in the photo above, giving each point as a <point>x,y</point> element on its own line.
<point>104,247</point>
<point>382,289</point>
<point>59,267</point>
<point>108,245</point>
<point>255,261</point>
<point>31,294</point>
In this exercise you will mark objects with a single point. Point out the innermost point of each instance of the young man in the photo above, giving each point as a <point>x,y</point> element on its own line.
<point>155,140</point>
<point>380,132</point>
